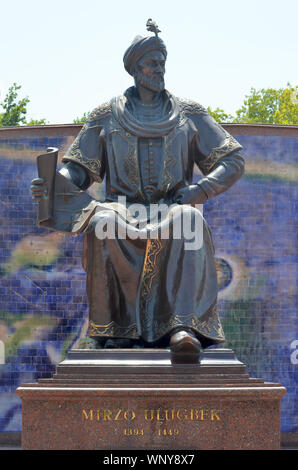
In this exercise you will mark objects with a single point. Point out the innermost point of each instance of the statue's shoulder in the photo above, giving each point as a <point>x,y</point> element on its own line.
<point>101,112</point>
<point>191,107</point>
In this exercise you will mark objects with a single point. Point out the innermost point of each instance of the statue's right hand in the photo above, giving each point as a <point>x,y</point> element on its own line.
<point>38,189</point>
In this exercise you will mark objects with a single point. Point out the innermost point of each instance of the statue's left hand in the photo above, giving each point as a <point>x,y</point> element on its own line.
<point>192,195</point>
<point>38,189</point>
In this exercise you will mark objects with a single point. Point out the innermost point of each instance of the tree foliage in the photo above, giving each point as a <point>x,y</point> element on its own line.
<point>82,119</point>
<point>270,106</point>
<point>15,110</point>
<point>37,122</point>
<point>287,113</point>
<point>265,106</point>
<point>219,115</point>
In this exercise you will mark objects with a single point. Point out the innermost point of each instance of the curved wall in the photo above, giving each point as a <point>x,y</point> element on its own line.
<point>43,306</point>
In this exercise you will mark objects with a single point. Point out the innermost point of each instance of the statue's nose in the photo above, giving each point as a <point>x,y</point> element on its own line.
<point>159,71</point>
<point>159,68</point>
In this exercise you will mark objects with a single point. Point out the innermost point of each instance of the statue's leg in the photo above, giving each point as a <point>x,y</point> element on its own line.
<point>113,268</point>
<point>178,291</point>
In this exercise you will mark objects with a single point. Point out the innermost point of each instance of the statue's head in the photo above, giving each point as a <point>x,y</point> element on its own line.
<point>145,61</point>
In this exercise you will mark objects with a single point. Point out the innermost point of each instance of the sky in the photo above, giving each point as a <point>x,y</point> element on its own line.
<point>68,54</point>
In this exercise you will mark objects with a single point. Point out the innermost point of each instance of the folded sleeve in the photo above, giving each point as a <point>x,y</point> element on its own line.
<point>226,172</point>
<point>217,153</point>
<point>89,147</point>
<point>211,141</point>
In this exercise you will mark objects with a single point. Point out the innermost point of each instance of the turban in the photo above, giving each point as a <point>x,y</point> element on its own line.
<point>139,47</point>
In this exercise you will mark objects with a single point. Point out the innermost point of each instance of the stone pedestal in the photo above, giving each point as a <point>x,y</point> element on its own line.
<point>136,399</point>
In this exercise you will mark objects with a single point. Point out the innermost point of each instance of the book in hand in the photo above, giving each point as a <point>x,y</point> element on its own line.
<point>66,208</point>
<point>46,168</point>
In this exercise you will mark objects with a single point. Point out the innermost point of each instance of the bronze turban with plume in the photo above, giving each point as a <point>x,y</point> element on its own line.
<point>140,46</point>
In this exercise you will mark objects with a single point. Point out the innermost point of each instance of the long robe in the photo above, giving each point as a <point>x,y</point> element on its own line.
<point>143,288</point>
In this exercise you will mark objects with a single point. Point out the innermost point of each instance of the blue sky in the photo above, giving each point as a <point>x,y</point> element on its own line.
<point>67,54</point>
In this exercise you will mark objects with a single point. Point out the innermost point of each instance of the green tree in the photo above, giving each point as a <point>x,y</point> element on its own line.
<point>14,111</point>
<point>287,113</point>
<point>81,120</point>
<point>219,115</point>
<point>270,106</point>
<point>37,122</point>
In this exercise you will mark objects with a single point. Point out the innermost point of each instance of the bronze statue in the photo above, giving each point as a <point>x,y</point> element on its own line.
<point>146,291</point>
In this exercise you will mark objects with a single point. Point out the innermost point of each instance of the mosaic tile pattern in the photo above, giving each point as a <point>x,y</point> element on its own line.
<point>43,305</point>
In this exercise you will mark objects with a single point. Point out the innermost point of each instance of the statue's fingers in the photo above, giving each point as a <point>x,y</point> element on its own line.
<point>38,181</point>
<point>178,198</point>
<point>37,198</point>
<point>37,188</point>
<point>38,193</point>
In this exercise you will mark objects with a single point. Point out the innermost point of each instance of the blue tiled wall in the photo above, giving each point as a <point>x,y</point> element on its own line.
<point>43,306</point>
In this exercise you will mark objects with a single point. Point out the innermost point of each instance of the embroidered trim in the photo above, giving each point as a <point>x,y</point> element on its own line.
<point>113,329</point>
<point>75,154</point>
<point>100,112</point>
<point>229,146</point>
<point>210,328</point>
<point>131,164</point>
<point>150,271</point>
<point>91,163</point>
<point>191,107</point>
<point>169,162</point>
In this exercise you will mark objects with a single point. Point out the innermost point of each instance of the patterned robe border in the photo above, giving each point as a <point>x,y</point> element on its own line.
<point>113,329</point>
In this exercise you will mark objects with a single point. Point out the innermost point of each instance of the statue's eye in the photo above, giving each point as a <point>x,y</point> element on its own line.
<point>147,63</point>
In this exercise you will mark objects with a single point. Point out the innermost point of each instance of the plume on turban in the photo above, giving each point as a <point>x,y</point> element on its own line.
<point>140,46</point>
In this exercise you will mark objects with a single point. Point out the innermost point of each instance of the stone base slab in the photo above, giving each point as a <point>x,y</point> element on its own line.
<point>212,405</point>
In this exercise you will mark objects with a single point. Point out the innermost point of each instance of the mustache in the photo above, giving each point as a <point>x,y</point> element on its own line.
<point>158,74</point>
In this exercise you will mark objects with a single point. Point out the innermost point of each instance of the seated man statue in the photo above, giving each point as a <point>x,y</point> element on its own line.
<point>150,291</point>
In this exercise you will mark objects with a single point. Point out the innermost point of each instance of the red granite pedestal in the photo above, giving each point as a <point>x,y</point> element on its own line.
<point>137,399</point>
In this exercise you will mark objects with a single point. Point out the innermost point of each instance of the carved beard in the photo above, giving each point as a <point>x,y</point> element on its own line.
<point>146,82</point>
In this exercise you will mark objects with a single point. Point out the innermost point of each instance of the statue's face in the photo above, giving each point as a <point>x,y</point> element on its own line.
<point>150,71</point>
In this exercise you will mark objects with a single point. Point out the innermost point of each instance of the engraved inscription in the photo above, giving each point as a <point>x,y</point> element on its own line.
<point>133,432</point>
<point>191,414</point>
<point>159,415</point>
<point>108,415</point>
<point>168,432</point>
